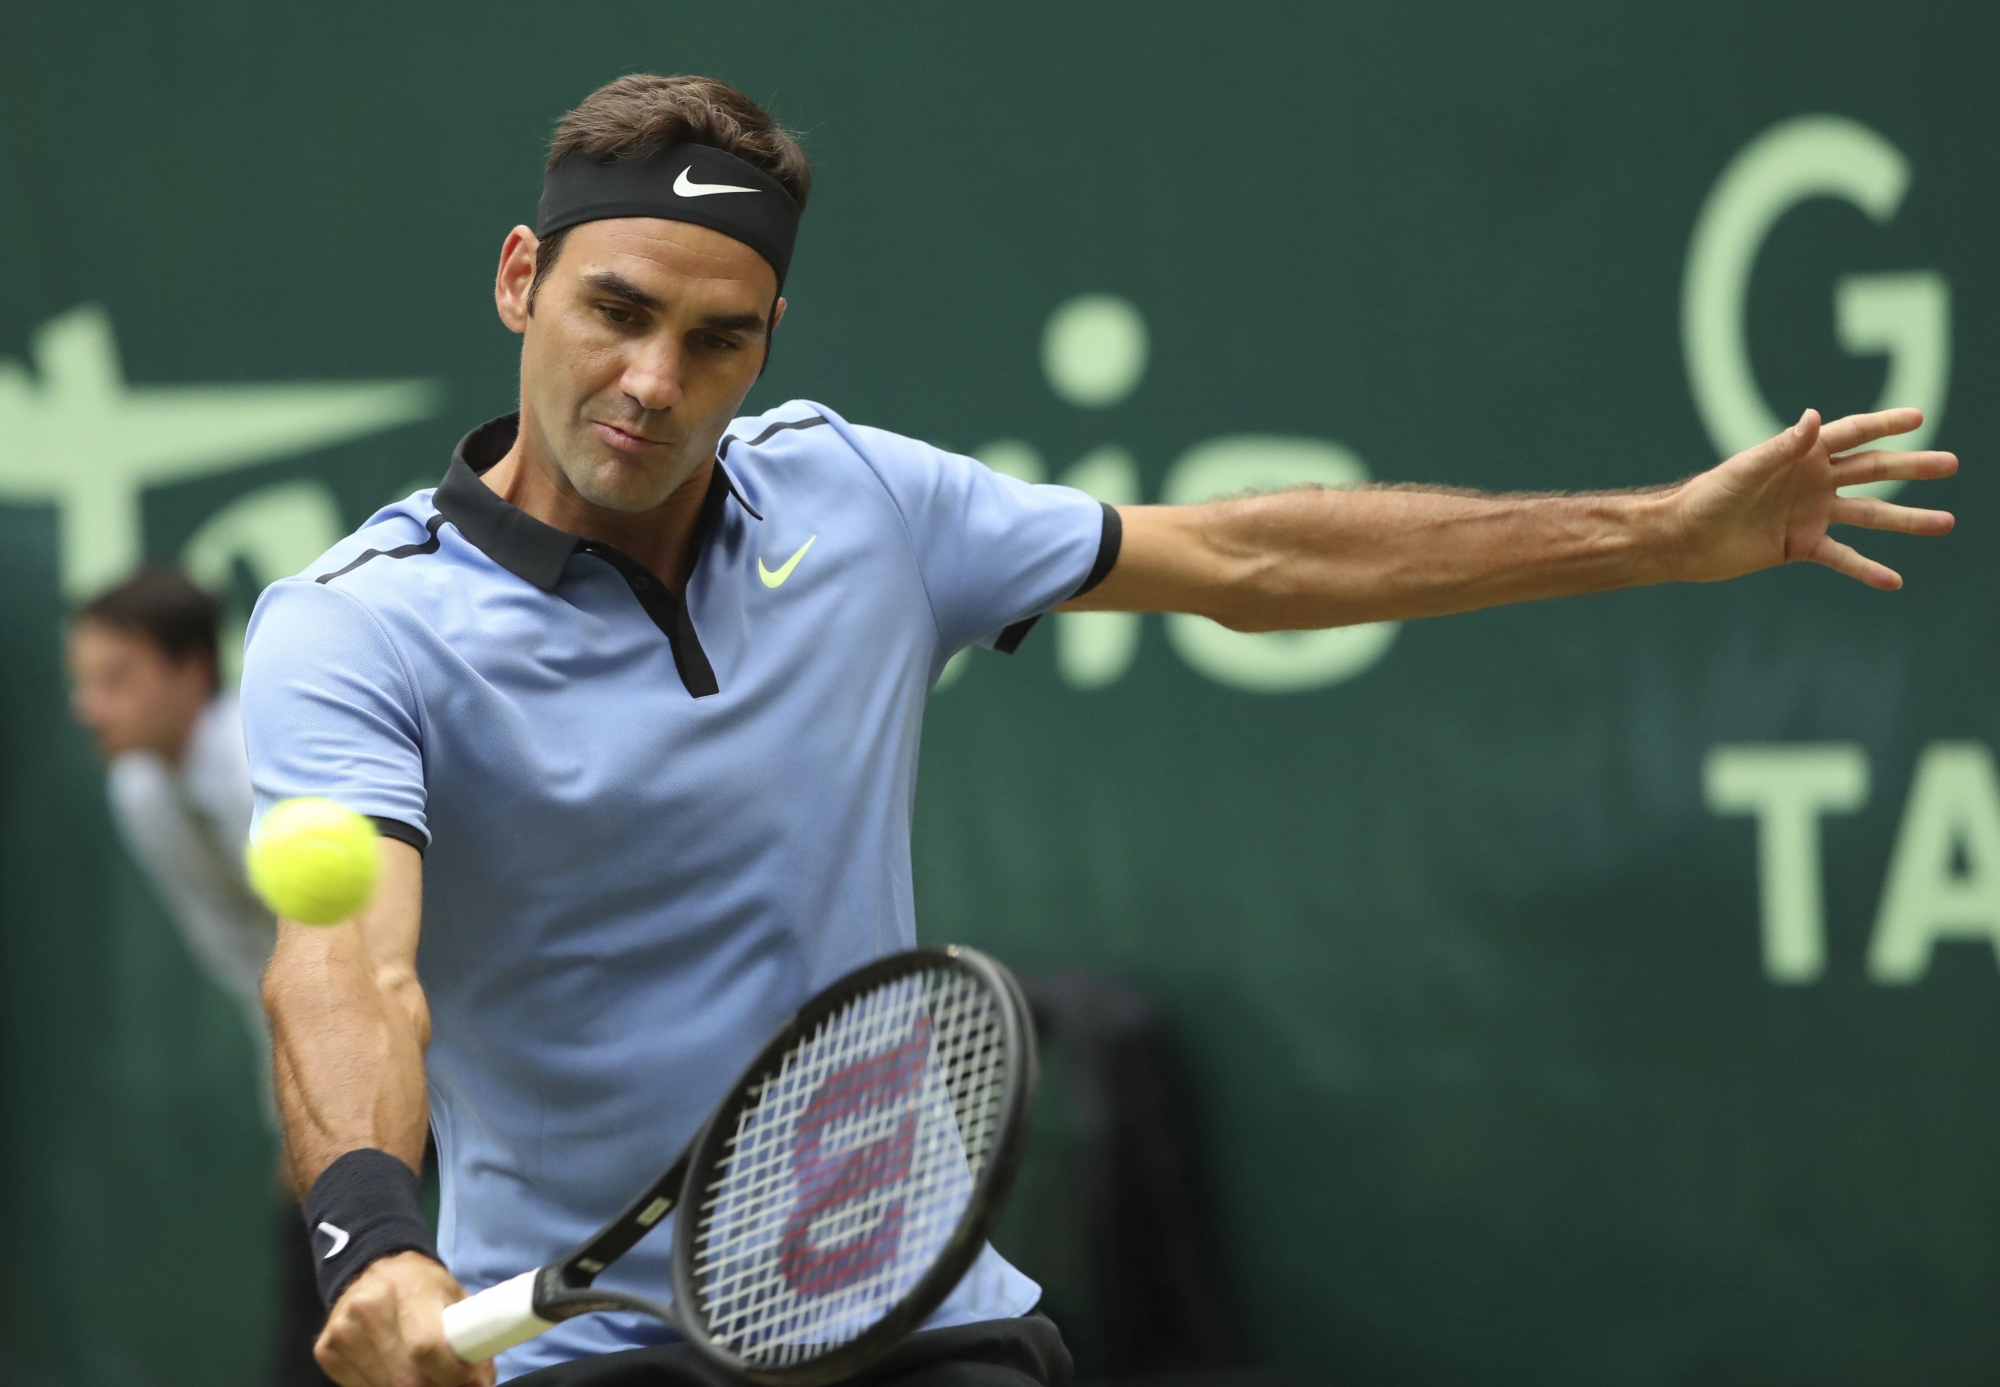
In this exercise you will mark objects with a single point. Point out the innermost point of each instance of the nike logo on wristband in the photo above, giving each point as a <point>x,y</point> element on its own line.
<point>339,1236</point>
<point>687,187</point>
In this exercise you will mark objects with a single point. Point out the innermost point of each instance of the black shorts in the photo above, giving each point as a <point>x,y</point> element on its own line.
<point>1023,1352</point>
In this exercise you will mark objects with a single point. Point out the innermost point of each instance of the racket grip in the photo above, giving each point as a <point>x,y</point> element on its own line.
<point>495,1320</point>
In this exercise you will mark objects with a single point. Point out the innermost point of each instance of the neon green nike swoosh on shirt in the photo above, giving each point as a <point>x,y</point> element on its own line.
<point>777,579</point>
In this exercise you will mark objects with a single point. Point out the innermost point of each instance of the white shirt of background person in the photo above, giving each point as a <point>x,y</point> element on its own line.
<point>178,781</point>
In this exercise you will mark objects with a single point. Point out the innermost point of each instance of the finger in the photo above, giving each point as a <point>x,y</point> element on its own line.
<point>1785,448</point>
<point>336,1351</point>
<point>363,1336</point>
<point>1852,468</point>
<point>431,1352</point>
<point>353,1362</point>
<point>1799,438</point>
<point>335,1364</point>
<point>1857,429</point>
<point>1872,514</point>
<point>440,1364</point>
<point>1842,559</point>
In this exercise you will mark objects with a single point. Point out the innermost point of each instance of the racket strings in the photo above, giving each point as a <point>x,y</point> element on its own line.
<point>850,1167</point>
<point>861,1208</point>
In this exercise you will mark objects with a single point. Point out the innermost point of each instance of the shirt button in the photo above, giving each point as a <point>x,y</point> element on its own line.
<point>640,582</point>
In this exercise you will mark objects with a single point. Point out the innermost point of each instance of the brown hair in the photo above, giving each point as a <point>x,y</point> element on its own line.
<point>164,607</point>
<point>641,114</point>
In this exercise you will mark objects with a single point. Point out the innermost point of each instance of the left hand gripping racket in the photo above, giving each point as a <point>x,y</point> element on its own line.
<point>836,1195</point>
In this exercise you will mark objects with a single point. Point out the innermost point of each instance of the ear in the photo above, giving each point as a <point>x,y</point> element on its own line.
<point>777,316</point>
<point>515,276</point>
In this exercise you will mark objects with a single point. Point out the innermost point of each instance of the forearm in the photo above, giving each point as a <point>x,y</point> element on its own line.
<point>349,1025</point>
<point>1305,560</point>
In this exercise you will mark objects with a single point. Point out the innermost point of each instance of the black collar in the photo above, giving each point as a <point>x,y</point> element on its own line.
<point>536,552</point>
<point>526,547</point>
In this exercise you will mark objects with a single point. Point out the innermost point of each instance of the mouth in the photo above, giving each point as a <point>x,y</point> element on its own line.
<point>623,440</point>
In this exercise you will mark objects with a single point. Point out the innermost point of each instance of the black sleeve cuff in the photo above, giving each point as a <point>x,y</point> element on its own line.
<point>401,832</point>
<point>363,1207</point>
<point>1109,539</point>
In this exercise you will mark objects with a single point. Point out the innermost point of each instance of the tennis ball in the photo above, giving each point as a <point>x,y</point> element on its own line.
<point>313,861</point>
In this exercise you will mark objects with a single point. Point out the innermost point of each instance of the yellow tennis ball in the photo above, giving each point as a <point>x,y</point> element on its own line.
<point>313,861</point>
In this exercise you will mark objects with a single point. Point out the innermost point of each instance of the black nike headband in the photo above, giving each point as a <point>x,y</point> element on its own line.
<point>685,183</point>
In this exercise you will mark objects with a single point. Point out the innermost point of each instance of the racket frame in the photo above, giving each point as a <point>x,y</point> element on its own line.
<point>989,1191</point>
<point>563,1289</point>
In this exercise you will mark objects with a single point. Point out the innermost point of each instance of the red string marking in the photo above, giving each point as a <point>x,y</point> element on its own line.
<point>828,1181</point>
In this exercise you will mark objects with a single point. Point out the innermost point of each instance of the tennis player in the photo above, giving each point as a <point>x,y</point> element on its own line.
<point>142,667</point>
<point>635,694</point>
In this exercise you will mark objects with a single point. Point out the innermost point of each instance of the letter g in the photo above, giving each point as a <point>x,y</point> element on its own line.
<point>1906,315</point>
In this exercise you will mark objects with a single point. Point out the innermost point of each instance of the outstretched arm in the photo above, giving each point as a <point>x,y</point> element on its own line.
<point>349,1026</point>
<point>1302,560</point>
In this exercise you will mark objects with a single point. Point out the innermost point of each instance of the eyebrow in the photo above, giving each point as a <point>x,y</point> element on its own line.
<point>619,287</point>
<point>735,322</point>
<point>612,283</point>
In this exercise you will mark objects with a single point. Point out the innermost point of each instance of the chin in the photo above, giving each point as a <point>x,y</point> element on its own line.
<point>620,489</point>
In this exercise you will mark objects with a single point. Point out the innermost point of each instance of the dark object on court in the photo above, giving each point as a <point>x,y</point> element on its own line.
<point>1157,1301</point>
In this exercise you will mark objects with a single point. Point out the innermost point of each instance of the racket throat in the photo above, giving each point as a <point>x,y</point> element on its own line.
<point>577,1270</point>
<point>555,1300</point>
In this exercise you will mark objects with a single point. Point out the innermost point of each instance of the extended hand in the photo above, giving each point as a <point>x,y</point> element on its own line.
<point>1772,504</point>
<point>387,1329</point>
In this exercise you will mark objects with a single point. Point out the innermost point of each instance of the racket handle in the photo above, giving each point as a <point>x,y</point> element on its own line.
<point>496,1319</point>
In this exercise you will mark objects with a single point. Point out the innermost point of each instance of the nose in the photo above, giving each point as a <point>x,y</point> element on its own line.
<point>653,376</point>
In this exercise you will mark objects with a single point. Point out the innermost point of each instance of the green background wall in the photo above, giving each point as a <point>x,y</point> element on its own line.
<point>1499,1086</point>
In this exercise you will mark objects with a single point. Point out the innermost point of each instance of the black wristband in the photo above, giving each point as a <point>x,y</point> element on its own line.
<point>364,1206</point>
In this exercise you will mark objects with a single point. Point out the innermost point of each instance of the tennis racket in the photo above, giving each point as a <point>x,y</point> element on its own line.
<point>835,1196</point>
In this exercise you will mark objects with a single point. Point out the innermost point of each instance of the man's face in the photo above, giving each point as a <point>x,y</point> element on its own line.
<point>642,342</point>
<point>130,696</point>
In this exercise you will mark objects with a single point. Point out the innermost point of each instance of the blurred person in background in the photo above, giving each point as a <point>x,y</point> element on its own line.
<point>144,682</point>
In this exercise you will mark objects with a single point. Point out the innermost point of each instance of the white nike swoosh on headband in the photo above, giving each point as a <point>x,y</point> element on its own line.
<point>687,187</point>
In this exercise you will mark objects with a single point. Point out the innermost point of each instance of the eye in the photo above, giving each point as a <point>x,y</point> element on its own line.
<point>716,343</point>
<point>616,313</point>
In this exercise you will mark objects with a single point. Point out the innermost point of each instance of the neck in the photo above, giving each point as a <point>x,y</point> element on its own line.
<point>529,480</point>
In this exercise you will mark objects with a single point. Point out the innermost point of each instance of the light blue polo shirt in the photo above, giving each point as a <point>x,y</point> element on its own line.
<point>651,829</point>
